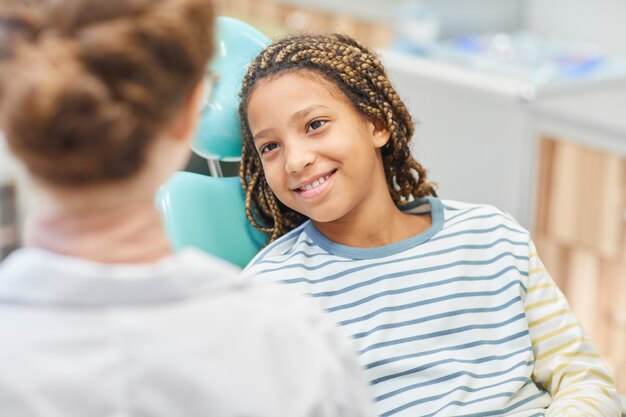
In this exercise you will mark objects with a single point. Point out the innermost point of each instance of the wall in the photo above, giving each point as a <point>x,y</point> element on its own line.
<point>598,21</point>
<point>458,15</point>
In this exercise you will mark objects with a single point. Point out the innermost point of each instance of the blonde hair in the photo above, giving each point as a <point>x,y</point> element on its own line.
<point>361,77</point>
<point>86,85</point>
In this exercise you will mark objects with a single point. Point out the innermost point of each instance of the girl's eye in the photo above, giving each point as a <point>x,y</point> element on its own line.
<point>315,124</point>
<point>268,148</point>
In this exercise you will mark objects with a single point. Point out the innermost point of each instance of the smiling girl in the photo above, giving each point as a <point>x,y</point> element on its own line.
<point>450,307</point>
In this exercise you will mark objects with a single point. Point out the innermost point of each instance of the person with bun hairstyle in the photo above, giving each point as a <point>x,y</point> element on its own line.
<point>98,100</point>
<point>449,304</point>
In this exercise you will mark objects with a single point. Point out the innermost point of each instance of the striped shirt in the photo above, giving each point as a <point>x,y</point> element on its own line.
<point>461,319</point>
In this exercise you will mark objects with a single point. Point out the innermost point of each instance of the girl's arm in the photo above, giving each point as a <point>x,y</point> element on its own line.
<point>567,363</point>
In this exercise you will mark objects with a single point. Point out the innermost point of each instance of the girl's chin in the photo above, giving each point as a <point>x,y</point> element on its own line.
<point>323,218</point>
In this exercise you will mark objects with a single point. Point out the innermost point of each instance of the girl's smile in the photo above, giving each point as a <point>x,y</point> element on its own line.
<point>313,188</point>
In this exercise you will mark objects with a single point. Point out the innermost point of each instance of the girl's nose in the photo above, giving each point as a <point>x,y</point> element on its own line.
<point>297,159</point>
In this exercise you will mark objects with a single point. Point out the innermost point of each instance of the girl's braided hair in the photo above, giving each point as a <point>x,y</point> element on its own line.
<point>359,74</point>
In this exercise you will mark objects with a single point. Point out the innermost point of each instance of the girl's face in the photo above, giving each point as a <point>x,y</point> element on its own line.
<point>320,157</point>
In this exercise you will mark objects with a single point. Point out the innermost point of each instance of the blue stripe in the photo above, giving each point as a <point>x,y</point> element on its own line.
<point>447,207</point>
<point>527,382</point>
<point>442,333</point>
<point>447,348</point>
<point>280,241</point>
<point>480,216</point>
<point>299,253</point>
<point>452,376</point>
<point>300,243</point>
<point>303,266</point>
<point>461,213</point>
<point>416,287</point>
<point>436,317</point>
<point>398,274</point>
<point>460,388</point>
<point>375,264</point>
<point>505,394</point>
<point>478,231</point>
<point>452,360</point>
<point>426,302</point>
<point>506,410</point>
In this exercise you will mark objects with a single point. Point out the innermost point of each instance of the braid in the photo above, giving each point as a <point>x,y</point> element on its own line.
<point>360,75</point>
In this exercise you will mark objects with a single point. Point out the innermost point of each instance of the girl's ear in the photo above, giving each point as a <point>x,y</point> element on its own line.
<point>380,133</point>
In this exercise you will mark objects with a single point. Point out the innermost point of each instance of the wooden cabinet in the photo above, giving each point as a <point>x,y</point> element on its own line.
<point>581,237</point>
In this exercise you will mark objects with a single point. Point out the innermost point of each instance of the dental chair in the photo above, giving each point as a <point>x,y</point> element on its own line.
<point>207,212</point>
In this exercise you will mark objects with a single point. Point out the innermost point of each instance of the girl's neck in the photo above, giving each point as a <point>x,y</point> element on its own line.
<point>378,224</point>
<point>127,234</point>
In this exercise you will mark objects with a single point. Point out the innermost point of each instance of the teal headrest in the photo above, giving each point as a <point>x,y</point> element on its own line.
<point>218,136</point>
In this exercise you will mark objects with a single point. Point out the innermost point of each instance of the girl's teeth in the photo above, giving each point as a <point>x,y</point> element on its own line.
<point>314,184</point>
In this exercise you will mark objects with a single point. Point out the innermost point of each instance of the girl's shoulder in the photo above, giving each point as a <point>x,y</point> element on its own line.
<point>463,206</point>
<point>453,210</point>
<point>473,215</point>
<point>282,247</point>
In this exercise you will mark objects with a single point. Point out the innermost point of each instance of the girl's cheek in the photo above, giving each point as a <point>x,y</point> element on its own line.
<point>270,175</point>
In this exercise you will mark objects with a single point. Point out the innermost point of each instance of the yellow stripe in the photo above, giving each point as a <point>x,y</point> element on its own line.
<point>565,392</point>
<point>565,395</point>
<point>588,401</point>
<point>532,255</point>
<point>560,347</point>
<point>569,391</point>
<point>581,355</point>
<point>537,271</point>
<point>554,333</point>
<point>540,286</point>
<point>556,370</point>
<point>584,372</point>
<point>543,303</point>
<point>549,317</point>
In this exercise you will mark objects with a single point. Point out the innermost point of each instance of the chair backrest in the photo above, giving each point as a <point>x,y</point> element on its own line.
<point>209,212</point>
<point>219,133</point>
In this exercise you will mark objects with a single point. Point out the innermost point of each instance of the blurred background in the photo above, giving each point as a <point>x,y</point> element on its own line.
<point>518,103</point>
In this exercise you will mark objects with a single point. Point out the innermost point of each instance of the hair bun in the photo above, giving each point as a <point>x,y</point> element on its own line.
<point>85,85</point>
<point>54,111</point>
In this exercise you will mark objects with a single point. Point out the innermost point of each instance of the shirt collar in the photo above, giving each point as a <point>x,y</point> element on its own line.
<point>425,205</point>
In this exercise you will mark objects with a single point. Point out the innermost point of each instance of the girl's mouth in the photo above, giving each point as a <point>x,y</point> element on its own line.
<point>316,186</point>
